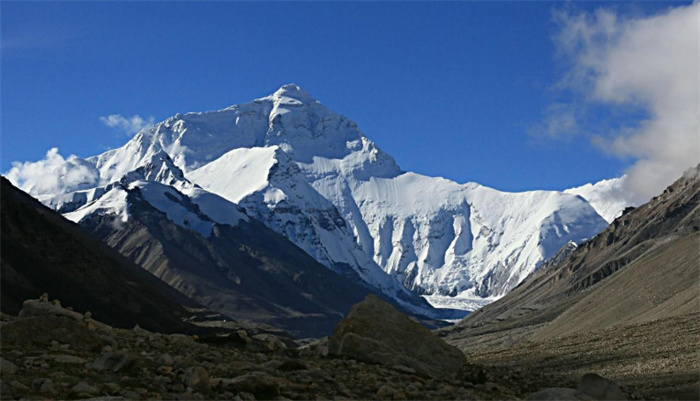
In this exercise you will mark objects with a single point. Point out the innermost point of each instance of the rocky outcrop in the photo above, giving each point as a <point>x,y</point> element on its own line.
<point>375,332</point>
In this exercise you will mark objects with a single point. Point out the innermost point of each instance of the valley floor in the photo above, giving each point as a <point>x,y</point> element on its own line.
<point>652,360</point>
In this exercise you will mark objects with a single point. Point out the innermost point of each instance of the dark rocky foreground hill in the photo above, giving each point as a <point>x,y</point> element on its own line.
<point>625,304</point>
<point>42,251</point>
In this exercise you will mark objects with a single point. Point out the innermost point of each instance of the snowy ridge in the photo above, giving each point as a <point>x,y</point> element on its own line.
<point>272,189</point>
<point>606,197</point>
<point>311,175</point>
<point>161,184</point>
<point>439,237</point>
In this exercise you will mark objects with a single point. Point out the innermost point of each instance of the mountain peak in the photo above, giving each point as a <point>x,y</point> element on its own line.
<point>293,91</point>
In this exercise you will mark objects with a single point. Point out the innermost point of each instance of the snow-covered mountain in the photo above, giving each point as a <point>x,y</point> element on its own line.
<point>311,175</point>
<point>606,197</point>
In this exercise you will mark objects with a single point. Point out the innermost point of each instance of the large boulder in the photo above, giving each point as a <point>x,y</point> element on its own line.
<point>375,332</point>
<point>600,388</point>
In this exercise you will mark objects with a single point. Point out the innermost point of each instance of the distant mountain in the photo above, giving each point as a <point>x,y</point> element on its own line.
<point>246,270</point>
<point>642,268</point>
<point>311,175</point>
<point>44,252</point>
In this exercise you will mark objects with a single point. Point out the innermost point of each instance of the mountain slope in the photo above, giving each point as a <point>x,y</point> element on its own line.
<point>245,271</point>
<point>642,268</point>
<point>43,252</point>
<point>311,175</point>
<point>625,304</point>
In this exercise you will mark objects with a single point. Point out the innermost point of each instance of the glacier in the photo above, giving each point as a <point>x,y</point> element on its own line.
<point>311,175</point>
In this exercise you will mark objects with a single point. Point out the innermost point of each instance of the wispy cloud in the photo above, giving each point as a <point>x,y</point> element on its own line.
<point>128,125</point>
<point>645,63</point>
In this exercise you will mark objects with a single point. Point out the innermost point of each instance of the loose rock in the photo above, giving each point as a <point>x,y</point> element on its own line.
<point>84,388</point>
<point>7,368</point>
<point>112,361</point>
<point>197,378</point>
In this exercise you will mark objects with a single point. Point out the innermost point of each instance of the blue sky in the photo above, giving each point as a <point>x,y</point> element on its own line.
<point>453,89</point>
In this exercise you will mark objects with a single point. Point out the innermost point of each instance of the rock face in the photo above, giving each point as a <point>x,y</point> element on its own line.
<point>375,332</point>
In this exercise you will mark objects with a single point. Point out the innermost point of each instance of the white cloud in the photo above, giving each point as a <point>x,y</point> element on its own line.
<point>53,175</point>
<point>647,63</point>
<point>128,125</point>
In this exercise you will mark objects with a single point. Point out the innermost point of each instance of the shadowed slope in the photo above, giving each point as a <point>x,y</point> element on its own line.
<point>44,252</point>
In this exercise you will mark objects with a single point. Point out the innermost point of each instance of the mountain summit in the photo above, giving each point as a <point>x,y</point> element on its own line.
<point>312,175</point>
<point>293,91</point>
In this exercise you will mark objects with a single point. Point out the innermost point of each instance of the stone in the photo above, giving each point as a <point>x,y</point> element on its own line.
<point>376,332</point>
<point>404,369</point>
<point>559,394</point>
<point>181,339</point>
<point>261,385</point>
<point>84,388</point>
<point>108,340</point>
<point>6,392</point>
<point>112,361</point>
<point>318,347</point>
<point>7,368</point>
<point>197,379</point>
<point>111,388</point>
<point>16,385</point>
<point>162,380</point>
<point>244,396</point>
<point>386,392</point>
<point>600,388</point>
<point>69,359</point>
<point>165,360</point>
<point>166,370</point>
<point>46,387</point>
<point>270,342</point>
<point>238,339</point>
<point>292,365</point>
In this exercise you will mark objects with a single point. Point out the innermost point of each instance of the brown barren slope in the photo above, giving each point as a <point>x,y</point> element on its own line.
<point>626,305</point>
